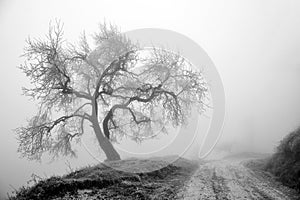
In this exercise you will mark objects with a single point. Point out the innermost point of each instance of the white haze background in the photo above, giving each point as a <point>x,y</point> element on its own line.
<point>254,44</point>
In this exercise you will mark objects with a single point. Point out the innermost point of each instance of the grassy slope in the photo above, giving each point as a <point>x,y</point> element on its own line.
<point>103,182</point>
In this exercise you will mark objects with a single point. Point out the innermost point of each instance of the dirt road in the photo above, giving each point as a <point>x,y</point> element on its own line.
<point>230,179</point>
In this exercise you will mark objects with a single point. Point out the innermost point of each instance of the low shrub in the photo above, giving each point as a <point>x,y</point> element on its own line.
<point>285,163</point>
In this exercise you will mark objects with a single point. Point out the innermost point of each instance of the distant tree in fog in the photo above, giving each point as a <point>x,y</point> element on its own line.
<point>119,89</point>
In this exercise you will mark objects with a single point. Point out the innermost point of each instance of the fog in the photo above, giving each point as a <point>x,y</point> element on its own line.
<point>255,46</point>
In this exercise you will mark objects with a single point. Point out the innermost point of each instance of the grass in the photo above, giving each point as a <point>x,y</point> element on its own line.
<point>106,182</point>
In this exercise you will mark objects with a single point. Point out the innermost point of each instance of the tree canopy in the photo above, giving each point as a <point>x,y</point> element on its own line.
<point>118,88</point>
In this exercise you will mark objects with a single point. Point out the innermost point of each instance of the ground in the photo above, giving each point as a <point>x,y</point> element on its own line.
<point>234,178</point>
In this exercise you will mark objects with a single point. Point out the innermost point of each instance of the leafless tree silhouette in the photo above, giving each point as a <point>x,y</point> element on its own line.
<point>119,89</point>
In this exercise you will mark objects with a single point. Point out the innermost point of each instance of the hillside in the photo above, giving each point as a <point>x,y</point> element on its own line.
<point>105,182</point>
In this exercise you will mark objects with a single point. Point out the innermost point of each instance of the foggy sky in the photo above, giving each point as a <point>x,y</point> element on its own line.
<point>254,44</point>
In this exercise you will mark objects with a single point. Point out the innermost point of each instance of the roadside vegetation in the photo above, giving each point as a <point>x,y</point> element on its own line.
<point>285,163</point>
<point>283,167</point>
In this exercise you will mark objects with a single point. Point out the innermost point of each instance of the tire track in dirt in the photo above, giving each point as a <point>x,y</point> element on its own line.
<point>219,186</point>
<point>230,179</point>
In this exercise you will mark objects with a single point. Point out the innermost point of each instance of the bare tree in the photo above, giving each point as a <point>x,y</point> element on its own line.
<point>119,89</point>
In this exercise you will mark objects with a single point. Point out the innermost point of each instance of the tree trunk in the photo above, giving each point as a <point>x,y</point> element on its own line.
<point>105,144</point>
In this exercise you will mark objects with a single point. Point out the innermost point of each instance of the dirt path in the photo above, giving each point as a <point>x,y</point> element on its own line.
<point>230,179</point>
